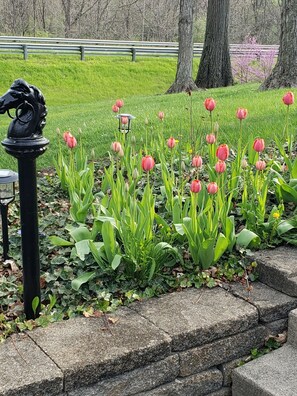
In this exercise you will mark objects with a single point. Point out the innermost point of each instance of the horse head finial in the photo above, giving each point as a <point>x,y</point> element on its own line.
<point>30,113</point>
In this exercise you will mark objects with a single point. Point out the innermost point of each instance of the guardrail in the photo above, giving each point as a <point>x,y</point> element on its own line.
<point>85,47</point>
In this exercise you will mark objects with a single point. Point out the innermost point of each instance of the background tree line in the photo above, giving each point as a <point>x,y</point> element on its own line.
<point>154,20</point>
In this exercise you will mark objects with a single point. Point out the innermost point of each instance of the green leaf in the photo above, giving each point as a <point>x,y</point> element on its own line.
<point>82,248</point>
<point>99,256</point>
<point>206,253</point>
<point>80,233</point>
<point>57,241</point>
<point>109,240</point>
<point>116,261</point>
<point>84,278</point>
<point>248,239</point>
<point>284,227</point>
<point>221,247</point>
<point>35,304</point>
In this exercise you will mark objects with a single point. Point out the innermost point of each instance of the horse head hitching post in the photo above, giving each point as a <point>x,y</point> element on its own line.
<point>25,142</point>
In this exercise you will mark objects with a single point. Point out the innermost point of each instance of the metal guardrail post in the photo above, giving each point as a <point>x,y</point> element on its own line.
<point>25,51</point>
<point>133,50</point>
<point>82,53</point>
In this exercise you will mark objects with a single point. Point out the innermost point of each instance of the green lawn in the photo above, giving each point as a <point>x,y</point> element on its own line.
<point>80,95</point>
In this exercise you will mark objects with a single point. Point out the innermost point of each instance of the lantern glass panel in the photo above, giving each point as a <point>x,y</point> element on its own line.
<point>6,192</point>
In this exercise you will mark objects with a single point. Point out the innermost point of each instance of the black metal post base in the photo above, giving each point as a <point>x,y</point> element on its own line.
<point>5,241</point>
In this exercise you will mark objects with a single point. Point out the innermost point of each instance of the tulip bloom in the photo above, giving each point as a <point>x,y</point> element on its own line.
<point>116,147</point>
<point>259,145</point>
<point>197,161</point>
<point>119,103</point>
<point>195,186</point>
<point>209,104</point>
<point>288,98</point>
<point>222,152</point>
<point>66,136</point>
<point>220,167</point>
<point>212,188</point>
<point>211,138</point>
<point>147,163</point>
<point>115,108</point>
<point>124,120</point>
<point>171,142</point>
<point>161,115</point>
<point>260,165</point>
<point>241,114</point>
<point>71,141</point>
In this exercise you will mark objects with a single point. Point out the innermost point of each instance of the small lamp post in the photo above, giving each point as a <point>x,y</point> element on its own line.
<point>7,195</point>
<point>125,122</point>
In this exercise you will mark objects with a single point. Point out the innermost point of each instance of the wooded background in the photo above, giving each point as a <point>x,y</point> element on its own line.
<point>154,20</point>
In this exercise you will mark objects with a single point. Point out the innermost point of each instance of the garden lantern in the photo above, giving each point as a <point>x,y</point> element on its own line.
<point>125,122</point>
<point>8,179</point>
<point>25,142</point>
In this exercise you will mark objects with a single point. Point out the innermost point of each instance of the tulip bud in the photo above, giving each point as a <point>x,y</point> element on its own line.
<point>116,147</point>
<point>124,120</point>
<point>119,103</point>
<point>195,186</point>
<point>222,152</point>
<point>135,174</point>
<point>66,135</point>
<point>216,127</point>
<point>211,138</point>
<point>220,167</point>
<point>133,139</point>
<point>161,115</point>
<point>171,142</point>
<point>58,131</point>
<point>71,142</point>
<point>147,163</point>
<point>260,165</point>
<point>259,145</point>
<point>288,98</point>
<point>244,163</point>
<point>146,121</point>
<point>183,166</point>
<point>212,188</point>
<point>197,161</point>
<point>121,153</point>
<point>241,114</point>
<point>209,104</point>
<point>115,108</point>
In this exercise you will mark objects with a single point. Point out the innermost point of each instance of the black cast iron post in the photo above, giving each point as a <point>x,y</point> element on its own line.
<point>25,142</point>
<point>5,241</point>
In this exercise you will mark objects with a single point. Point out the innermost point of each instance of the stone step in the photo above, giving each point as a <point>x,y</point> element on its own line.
<point>292,328</point>
<point>277,268</point>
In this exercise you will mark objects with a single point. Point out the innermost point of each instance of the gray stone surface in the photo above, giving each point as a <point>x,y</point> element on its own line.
<point>228,367</point>
<point>87,350</point>
<point>220,351</point>
<point>277,327</point>
<point>292,332</point>
<point>278,269</point>
<point>222,392</point>
<point>136,381</point>
<point>26,371</point>
<point>274,374</point>
<point>272,304</point>
<point>195,385</point>
<point>193,317</point>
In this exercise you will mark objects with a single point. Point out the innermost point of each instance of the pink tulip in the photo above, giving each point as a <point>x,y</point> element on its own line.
<point>222,152</point>
<point>195,186</point>
<point>71,141</point>
<point>212,188</point>
<point>66,135</point>
<point>124,120</point>
<point>260,165</point>
<point>171,142</point>
<point>116,147</point>
<point>241,114</point>
<point>220,167</point>
<point>147,163</point>
<point>119,103</point>
<point>197,161</point>
<point>259,145</point>
<point>288,98</point>
<point>209,104</point>
<point>211,138</point>
<point>161,115</point>
<point>115,108</point>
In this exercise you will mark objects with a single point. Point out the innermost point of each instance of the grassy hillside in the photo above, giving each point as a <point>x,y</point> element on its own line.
<point>80,95</point>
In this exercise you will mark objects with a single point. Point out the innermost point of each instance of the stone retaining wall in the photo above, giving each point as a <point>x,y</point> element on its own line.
<point>184,343</point>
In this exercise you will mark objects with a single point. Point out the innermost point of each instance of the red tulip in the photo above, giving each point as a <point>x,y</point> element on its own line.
<point>288,98</point>
<point>116,147</point>
<point>195,186</point>
<point>222,152</point>
<point>115,108</point>
<point>147,163</point>
<point>211,138</point>
<point>209,104</point>
<point>197,161</point>
<point>241,114</point>
<point>220,167</point>
<point>212,188</point>
<point>124,120</point>
<point>260,165</point>
<point>161,115</point>
<point>171,142</point>
<point>119,103</point>
<point>71,141</point>
<point>259,145</point>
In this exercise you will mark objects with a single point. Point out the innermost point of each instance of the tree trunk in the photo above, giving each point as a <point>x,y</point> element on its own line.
<point>284,73</point>
<point>183,79</point>
<point>215,65</point>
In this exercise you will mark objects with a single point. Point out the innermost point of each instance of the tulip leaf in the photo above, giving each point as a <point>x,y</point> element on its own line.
<point>221,247</point>
<point>116,261</point>
<point>82,248</point>
<point>80,233</point>
<point>248,239</point>
<point>57,241</point>
<point>84,278</point>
